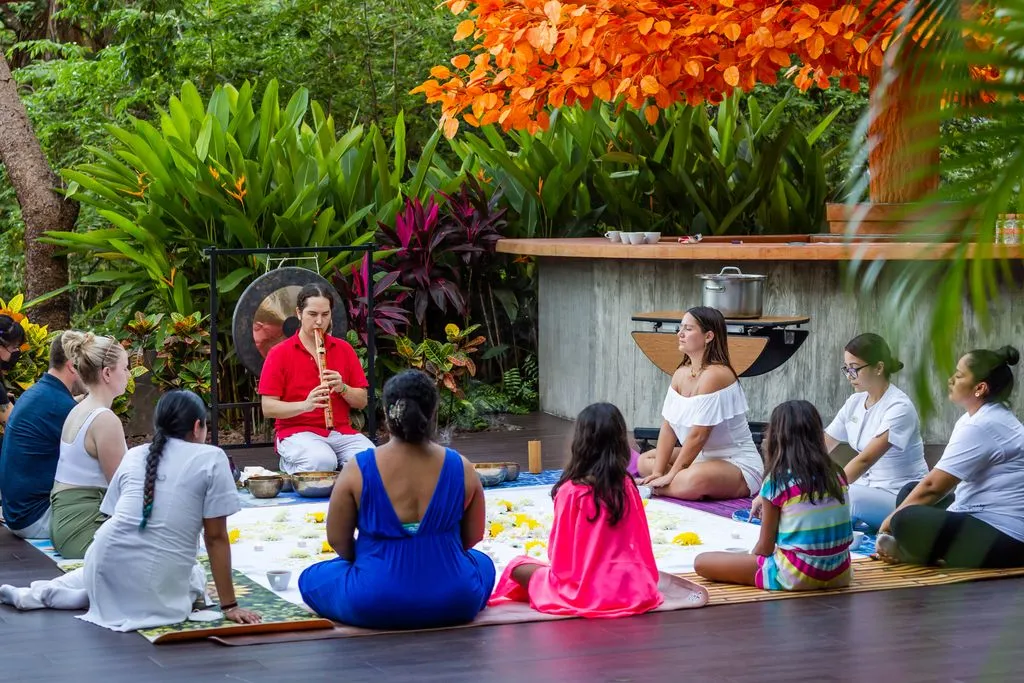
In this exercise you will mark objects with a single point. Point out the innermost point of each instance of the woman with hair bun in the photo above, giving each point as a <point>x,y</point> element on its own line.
<point>880,423</point>
<point>92,443</point>
<point>419,508</point>
<point>984,463</point>
<point>141,570</point>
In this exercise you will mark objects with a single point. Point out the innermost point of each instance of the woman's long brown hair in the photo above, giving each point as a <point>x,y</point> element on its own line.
<point>717,352</point>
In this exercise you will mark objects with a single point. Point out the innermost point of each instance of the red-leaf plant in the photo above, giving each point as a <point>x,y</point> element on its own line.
<point>390,316</point>
<point>418,237</point>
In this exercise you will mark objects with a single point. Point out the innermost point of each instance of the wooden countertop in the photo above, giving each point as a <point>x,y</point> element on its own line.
<point>673,317</point>
<point>801,248</point>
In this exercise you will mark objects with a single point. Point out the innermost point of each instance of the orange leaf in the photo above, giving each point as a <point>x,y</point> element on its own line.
<point>663,27</point>
<point>810,10</point>
<point>694,68</point>
<point>645,26</point>
<point>816,45</point>
<point>650,85</point>
<point>829,28</point>
<point>651,114</point>
<point>553,10</point>
<point>460,61</point>
<point>440,72</point>
<point>732,32</point>
<point>860,45</point>
<point>527,93</point>
<point>602,90</point>
<point>779,57</point>
<point>451,127</point>
<point>732,76</point>
<point>464,29</point>
<point>459,5</point>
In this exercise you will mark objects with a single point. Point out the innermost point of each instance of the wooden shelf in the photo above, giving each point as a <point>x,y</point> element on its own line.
<point>799,248</point>
<point>673,317</point>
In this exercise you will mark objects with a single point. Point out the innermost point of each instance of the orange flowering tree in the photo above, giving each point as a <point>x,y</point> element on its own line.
<point>532,54</point>
<point>524,56</point>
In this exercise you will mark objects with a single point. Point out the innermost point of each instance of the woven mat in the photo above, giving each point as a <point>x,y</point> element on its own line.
<point>679,593</point>
<point>278,614</point>
<point>868,575</point>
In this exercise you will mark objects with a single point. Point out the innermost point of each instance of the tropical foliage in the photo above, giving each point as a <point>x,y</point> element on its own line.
<point>35,351</point>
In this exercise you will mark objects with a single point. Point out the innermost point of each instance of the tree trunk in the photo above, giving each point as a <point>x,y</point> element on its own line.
<point>41,207</point>
<point>903,135</point>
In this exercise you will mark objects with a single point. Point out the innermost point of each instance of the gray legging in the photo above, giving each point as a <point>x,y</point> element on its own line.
<point>929,534</point>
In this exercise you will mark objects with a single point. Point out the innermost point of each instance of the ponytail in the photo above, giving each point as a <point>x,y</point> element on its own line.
<point>156,451</point>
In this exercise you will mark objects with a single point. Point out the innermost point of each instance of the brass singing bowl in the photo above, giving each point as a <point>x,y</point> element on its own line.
<point>314,484</point>
<point>266,486</point>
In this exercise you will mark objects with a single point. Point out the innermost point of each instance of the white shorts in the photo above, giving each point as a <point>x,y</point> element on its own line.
<point>750,466</point>
<point>309,452</point>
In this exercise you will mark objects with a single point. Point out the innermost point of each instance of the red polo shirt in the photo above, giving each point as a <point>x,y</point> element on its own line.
<point>290,373</point>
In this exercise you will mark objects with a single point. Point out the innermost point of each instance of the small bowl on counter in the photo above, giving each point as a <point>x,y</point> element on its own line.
<point>314,484</point>
<point>513,470</point>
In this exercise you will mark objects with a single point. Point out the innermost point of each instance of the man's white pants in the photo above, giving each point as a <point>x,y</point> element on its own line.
<point>309,452</point>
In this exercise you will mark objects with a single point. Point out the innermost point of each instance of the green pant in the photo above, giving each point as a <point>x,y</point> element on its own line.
<point>76,517</point>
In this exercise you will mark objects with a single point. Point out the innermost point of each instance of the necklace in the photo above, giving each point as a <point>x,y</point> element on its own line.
<point>694,375</point>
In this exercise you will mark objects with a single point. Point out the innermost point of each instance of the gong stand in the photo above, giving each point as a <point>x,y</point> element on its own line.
<point>254,363</point>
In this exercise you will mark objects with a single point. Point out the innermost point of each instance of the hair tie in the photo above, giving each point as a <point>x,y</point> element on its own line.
<point>396,410</point>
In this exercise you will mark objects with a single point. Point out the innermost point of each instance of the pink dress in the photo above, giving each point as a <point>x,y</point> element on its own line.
<point>596,570</point>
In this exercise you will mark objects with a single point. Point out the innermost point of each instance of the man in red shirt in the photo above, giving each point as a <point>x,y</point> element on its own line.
<point>295,397</point>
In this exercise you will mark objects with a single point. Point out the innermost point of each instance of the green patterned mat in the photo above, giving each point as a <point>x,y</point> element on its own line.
<point>278,614</point>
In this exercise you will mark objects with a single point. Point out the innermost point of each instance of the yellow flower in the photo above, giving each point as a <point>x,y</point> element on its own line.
<point>687,538</point>
<point>527,521</point>
<point>495,528</point>
<point>234,535</point>
<point>645,502</point>
<point>530,545</point>
<point>507,505</point>
<point>315,517</point>
<point>325,547</point>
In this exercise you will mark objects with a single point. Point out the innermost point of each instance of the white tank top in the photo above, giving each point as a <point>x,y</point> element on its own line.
<point>76,467</point>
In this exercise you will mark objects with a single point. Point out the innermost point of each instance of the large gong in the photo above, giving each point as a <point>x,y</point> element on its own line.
<point>265,314</point>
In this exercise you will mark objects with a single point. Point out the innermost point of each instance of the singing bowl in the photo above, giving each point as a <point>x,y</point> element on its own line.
<point>491,473</point>
<point>265,487</point>
<point>314,484</point>
<point>513,470</point>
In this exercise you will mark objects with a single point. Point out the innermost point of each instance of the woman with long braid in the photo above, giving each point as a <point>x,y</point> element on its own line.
<point>141,570</point>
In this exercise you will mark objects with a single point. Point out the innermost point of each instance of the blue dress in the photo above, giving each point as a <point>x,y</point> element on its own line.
<point>404,578</point>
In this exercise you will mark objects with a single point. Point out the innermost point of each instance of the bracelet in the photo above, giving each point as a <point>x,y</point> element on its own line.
<point>230,605</point>
<point>344,388</point>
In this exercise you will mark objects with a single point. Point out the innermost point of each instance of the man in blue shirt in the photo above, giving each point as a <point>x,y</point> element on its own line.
<point>31,446</point>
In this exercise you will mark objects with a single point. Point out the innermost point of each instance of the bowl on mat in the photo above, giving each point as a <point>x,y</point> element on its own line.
<point>287,488</point>
<point>858,538</point>
<point>513,470</point>
<point>265,487</point>
<point>314,484</point>
<point>491,473</point>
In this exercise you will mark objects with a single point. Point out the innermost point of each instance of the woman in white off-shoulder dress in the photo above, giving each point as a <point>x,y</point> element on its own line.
<point>706,411</point>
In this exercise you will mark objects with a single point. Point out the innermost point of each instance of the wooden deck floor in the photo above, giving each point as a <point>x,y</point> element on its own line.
<point>969,632</point>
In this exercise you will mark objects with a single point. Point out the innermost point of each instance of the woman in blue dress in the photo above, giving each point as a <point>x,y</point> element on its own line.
<point>419,508</point>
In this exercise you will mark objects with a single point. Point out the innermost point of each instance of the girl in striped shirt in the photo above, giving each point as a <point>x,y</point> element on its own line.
<point>805,512</point>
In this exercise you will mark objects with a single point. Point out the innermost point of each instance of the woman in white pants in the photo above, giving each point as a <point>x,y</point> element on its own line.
<point>879,422</point>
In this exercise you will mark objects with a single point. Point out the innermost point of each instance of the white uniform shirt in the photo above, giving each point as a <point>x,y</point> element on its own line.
<point>986,453</point>
<point>894,413</point>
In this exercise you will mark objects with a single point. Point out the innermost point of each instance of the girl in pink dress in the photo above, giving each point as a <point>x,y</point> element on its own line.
<point>602,562</point>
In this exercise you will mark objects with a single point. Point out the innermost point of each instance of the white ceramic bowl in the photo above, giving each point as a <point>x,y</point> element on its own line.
<point>858,538</point>
<point>652,237</point>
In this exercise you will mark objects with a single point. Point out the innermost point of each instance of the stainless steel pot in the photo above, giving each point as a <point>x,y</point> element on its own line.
<point>734,293</point>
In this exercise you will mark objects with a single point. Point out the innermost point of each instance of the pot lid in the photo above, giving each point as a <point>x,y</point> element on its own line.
<point>731,273</point>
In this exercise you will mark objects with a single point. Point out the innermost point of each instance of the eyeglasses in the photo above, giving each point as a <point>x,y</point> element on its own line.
<point>851,370</point>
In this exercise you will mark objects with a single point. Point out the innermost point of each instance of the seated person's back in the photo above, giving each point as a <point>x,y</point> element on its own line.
<point>419,508</point>
<point>91,446</point>
<point>31,446</point>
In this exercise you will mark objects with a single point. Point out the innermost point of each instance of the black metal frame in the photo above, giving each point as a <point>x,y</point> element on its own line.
<point>216,406</point>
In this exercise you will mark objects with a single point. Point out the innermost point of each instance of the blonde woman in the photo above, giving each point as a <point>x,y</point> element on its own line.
<point>92,443</point>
